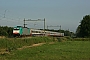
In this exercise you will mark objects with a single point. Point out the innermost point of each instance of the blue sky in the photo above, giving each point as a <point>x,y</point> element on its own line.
<point>66,13</point>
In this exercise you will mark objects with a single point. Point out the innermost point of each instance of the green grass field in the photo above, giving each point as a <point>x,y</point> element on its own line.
<point>65,50</point>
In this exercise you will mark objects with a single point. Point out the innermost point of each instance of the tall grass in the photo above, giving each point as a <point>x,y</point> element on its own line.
<point>68,50</point>
<point>9,44</point>
<point>81,39</point>
<point>68,38</point>
<point>14,43</point>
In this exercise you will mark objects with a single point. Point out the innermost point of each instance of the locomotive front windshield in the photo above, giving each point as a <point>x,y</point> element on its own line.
<point>16,28</point>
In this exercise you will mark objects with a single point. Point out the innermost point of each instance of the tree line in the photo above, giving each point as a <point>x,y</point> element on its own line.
<point>6,31</point>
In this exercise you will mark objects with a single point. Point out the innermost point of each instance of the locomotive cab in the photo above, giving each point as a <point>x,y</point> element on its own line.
<point>17,31</point>
<point>21,31</point>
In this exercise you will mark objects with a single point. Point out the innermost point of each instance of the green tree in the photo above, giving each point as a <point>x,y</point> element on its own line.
<point>6,31</point>
<point>67,33</point>
<point>83,29</point>
<point>78,31</point>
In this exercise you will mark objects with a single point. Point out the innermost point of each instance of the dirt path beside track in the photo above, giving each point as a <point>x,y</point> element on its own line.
<point>34,45</point>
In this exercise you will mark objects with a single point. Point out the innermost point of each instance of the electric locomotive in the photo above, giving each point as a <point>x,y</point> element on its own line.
<point>21,31</point>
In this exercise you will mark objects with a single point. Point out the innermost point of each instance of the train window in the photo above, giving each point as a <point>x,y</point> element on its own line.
<point>37,31</point>
<point>34,32</point>
<point>16,28</point>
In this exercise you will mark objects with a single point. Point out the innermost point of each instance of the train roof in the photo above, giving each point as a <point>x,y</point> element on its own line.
<point>20,27</point>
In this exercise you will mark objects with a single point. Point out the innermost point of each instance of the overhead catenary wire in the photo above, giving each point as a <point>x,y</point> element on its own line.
<point>8,18</point>
<point>11,20</point>
<point>54,26</point>
<point>36,20</point>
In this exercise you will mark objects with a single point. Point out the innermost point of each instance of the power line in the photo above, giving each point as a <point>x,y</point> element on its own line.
<point>54,26</point>
<point>4,13</point>
<point>35,20</point>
